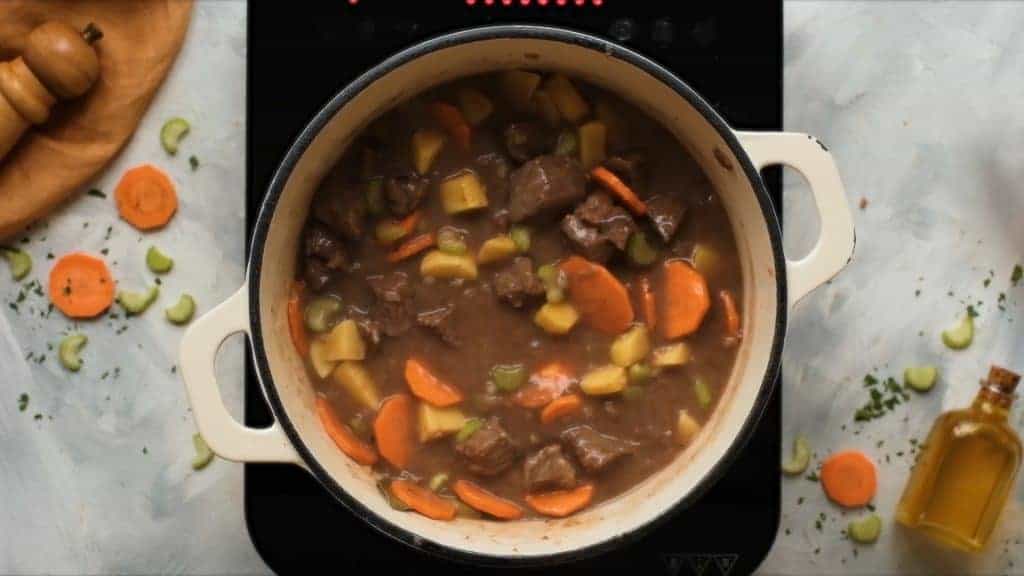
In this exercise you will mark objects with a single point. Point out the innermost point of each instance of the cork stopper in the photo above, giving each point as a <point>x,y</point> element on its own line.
<point>1002,379</point>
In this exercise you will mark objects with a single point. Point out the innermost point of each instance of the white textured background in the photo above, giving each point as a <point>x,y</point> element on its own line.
<point>921,104</point>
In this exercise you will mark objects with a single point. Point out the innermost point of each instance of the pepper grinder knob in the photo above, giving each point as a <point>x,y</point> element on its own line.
<point>58,62</point>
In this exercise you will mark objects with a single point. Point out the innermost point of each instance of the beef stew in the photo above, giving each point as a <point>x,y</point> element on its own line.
<point>521,283</point>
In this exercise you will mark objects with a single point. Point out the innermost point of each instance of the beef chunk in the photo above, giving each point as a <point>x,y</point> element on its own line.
<point>322,244</point>
<point>545,186</point>
<point>526,140</point>
<point>516,282</point>
<point>549,469</point>
<point>343,212</point>
<point>494,169</point>
<point>392,287</point>
<point>666,212</point>
<point>405,192</point>
<point>316,274</point>
<point>594,450</point>
<point>325,257</point>
<point>370,330</point>
<point>394,309</point>
<point>490,450</point>
<point>631,167</point>
<point>597,227</point>
<point>440,320</point>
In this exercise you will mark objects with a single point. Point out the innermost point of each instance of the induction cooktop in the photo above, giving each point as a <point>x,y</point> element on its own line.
<point>301,54</point>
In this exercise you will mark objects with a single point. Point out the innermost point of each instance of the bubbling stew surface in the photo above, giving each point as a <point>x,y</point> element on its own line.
<point>517,296</point>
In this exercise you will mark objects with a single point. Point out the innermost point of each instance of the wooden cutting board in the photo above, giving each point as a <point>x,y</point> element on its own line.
<point>55,160</point>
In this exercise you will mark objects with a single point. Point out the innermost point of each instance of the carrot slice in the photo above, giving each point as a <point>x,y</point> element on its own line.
<point>450,118</point>
<point>618,188</point>
<point>647,304</point>
<point>296,325</point>
<point>484,501</point>
<point>409,222</point>
<point>145,197</point>
<point>685,300</point>
<point>411,247</point>
<point>561,503</point>
<point>598,295</point>
<point>561,407</point>
<point>81,285</point>
<point>393,429</point>
<point>733,332</point>
<point>849,478</point>
<point>343,436</point>
<point>423,500</point>
<point>426,386</point>
<point>545,385</point>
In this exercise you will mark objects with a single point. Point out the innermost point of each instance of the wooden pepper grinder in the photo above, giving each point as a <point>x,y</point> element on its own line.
<point>57,62</point>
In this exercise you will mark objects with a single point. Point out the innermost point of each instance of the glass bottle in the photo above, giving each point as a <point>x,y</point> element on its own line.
<point>966,469</point>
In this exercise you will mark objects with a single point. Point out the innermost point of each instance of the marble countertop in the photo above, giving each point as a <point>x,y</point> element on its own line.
<point>919,102</point>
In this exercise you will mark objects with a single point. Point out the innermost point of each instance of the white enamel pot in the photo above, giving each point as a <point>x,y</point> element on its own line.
<point>732,160</point>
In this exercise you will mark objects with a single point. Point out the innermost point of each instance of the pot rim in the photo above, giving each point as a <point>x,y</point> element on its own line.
<point>305,138</point>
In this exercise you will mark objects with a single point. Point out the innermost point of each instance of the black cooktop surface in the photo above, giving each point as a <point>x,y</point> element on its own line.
<point>300,55</point>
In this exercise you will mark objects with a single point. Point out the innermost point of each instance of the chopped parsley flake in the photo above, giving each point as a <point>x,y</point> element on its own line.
<point>96,192</point>
<point>972,311</point>
<point>1018,273</point>
<point>193,162</point>
<point>22,402</point>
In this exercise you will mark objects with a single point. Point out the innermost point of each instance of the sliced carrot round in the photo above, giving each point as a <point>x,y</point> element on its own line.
<point>685,300</point>
<point>81,285</point>
<point>296,323</point>
<point>423,500</point>
<point>561,407</point>
<point>428,387</point>
<point>484,501</point>
<point>145,197</point>
<point>849,478</point>
<point>561,503</point>
<point>549,382</point>
<point>597,294</point>
<point>393,430</point>
<point>343,437</point>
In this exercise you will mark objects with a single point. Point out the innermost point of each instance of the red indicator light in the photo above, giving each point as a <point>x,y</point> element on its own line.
<point>597,2</point>
<point>580,2</point>
<point>506,2</point>
<point>542,2</point>
<point>560,2</point>
<point>524,2</point>
<point>353,2</point>
<point>470,2</point>
<point>488,2</point>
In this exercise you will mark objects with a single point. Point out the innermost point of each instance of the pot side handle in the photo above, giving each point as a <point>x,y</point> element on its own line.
<point>225,436</point>
<point>835,244</point>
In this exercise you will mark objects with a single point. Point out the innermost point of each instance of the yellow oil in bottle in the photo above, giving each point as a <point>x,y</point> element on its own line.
<point>966,469</point>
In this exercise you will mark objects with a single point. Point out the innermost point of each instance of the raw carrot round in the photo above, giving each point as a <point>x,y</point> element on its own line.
<point>561,503</point>
<point>598,295</point>
<point>561,407</point>
<point>393,429</point>
<point>484,501</point>
<point>849,478</point>
<point>346,441</point>
<point>685,300</point>
<point>546,384</point>
<point>428,387</point>
<point>296,324</point>
<point>145,197</point>
<point>423,500</point>
<point>81,285</point>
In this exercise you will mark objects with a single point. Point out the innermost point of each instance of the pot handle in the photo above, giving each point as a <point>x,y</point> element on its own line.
<point>225,436</point>
<point>834,247</point>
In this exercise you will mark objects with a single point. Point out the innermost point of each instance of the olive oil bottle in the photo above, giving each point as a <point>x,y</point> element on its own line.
<point>966,469</point>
